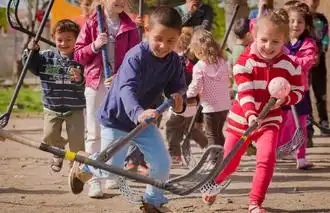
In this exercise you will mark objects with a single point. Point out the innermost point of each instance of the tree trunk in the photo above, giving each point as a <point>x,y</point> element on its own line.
<point>229,11</point>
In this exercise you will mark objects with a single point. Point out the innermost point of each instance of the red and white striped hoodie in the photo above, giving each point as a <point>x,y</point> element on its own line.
<point>252,75</point>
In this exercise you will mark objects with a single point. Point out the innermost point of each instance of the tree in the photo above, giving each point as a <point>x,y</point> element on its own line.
<point>229,12</point>
<point>219,23</point>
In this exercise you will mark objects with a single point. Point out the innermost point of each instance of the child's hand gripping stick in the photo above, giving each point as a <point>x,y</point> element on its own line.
<point>114,147</point>
<point>278,88</point>
<point>105,59</point>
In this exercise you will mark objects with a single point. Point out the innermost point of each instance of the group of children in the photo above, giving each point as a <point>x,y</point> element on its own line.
<point>182,64</point>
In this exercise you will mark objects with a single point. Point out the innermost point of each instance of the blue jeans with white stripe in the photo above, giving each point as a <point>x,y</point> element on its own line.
<point>151,144</point>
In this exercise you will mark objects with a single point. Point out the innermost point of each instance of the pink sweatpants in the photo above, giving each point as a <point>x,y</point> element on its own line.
<point>266,142</point>
<point>288,129</point>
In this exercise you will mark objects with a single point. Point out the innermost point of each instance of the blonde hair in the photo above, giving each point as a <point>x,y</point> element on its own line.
<point>279,18</point>
<point>184,40</point>
<point>205,46</point>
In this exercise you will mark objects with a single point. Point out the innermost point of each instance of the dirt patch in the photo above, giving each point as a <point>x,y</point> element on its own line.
<point>26,184</point>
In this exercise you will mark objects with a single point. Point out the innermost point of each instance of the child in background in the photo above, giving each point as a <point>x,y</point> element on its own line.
<point>210,82</point>
<point>62,85</point>
<point>257,66</point>
<point>319,71</point>
<point>120,35</point>
<point>177,125</point>
<point>86,11</point>
<point>303,51</point>
<point>243,39</point>
<point>149,70</point>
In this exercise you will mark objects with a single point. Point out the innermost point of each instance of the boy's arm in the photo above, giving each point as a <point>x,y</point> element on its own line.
<point>35,62</point>
<point>129,81</point>
<point>245,87</point>
<point>84,51</point>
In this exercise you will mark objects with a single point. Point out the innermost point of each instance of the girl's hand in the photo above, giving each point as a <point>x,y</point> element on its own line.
<point>147,114</point>
<point>178,102</point>
<point>279,103</point>
<point>101,40</point>
<point>252,120</point>
<point>139,21</point>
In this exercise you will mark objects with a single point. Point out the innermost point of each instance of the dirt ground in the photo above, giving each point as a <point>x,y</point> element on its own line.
<point>27,185</point>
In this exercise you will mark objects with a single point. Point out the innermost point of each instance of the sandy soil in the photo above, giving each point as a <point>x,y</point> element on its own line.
<point>27,185</point>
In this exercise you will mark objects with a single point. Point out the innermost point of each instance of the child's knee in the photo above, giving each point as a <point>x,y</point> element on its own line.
<point>160,165</point>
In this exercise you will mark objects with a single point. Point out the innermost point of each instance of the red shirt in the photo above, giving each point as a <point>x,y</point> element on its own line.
<point>252,75</point>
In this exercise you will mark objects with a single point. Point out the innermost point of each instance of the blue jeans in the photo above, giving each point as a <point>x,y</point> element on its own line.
<point>151,144</point>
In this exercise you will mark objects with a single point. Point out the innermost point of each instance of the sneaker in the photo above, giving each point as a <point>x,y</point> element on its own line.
<point>291,156</point>
<point>211,189</point>
<point>253,208</point>
<point>56,163</point>
<point>111,184</point>
<point>95,189</point>
<point>324,125</point>
<point>209,200</point>
<point>78,178</point>
<point>303,164</point>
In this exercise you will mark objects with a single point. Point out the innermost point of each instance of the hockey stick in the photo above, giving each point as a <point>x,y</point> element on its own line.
<point>181,185</point>
<point>206,189</point>
<point>187,157</point>
<point>296,141</point>
<point>5,117</point>
<point>15,23</point>
<point>107,72</point>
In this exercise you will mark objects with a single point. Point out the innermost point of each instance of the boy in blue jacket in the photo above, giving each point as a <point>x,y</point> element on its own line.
<point>149,69</point>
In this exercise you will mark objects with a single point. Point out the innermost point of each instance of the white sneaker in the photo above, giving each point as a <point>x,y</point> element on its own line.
<point>111,184</point>
<point>95,189</point>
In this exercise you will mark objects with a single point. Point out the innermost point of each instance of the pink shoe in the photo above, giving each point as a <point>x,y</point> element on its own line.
<point>209,200</point>
<point>254,208</point>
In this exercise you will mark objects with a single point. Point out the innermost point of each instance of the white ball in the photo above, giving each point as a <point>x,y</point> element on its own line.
<point>279,87</point>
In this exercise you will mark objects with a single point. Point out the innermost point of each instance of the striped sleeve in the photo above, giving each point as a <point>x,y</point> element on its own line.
<point>297,88</point>
<point>245,89</point>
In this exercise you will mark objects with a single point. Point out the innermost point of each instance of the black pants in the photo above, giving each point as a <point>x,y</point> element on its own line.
<point>214,122</point>
<point>176,127</point>
<point>319,85</point>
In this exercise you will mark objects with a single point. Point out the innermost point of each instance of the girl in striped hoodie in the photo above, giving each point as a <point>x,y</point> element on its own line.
<point>303,50</point>
<point>262,61</point>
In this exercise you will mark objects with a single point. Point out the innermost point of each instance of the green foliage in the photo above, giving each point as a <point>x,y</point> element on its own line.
<point>28,100</point>
<point>219,22</point>
<point>219,13</point>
